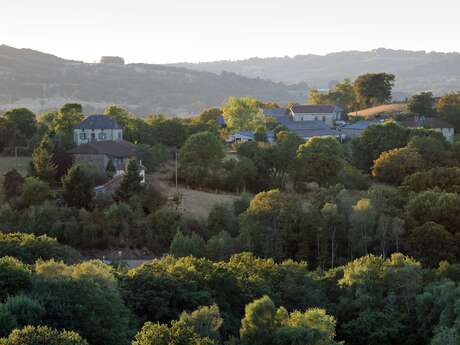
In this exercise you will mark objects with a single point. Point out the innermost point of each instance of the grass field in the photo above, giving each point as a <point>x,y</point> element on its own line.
<point>21,164</point>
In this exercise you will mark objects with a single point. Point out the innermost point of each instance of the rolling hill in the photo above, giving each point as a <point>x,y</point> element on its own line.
<point>41,81</point>
<point>415,70</point>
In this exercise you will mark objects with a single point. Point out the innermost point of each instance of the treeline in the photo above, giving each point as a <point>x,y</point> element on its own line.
<point>245,300</point>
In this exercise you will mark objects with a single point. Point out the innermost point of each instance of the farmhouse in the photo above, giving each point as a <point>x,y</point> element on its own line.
<point>308,124</point>
<point>432,123</point>
<point>328,113</point>
<point>99,140</point>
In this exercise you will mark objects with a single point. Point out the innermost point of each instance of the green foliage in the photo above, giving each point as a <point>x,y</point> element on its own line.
<point>110,169</point>
<point>29,248</point>
<point>34,192</point>
<point>168,132</point>
<point>14,276</point>
<point>242,113</point>
<point>17,127</point>
<point>40,335</point>
<point>12,184</point>
<point>448,108</point>
<point>263,324</point>
<point>26,311</point>
<point>422,104</point>
<point>343,95</point>
<point>394,165</point>
<point>89,293</point>
<point>199,157</point>
<point>205,322</point>
<point>373,89</point>
<point>183,245</point>
<point>44,167</point>
<point>153,156</point>
<point>259,322</point>
<point>320,160</point>
<point>7,321</point>
<point>78,188</point>
<point>277,225</point>
<point>375,140</point>
<point>439,207</point>
<point>431,243</point>
<point>446,179</point>
<point>131,183</point>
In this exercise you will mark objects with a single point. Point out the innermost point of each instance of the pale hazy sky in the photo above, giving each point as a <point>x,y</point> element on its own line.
<point>160,31</point>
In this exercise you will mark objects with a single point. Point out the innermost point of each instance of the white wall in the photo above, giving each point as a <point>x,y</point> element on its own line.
<point>96,135</point>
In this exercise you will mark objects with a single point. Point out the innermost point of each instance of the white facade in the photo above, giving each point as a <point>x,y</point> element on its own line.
<point>328,118</point>
<point>85,136</point>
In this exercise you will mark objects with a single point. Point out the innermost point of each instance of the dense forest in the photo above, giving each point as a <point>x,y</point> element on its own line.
<point>325,243</point>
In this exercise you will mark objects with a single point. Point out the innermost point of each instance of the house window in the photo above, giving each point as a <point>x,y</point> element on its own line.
<point>93,136</point>
<point>324,118</point>
<point>316,118</point>
<point>119,135</point>
<point>82,136</point>
<point>101,136</point>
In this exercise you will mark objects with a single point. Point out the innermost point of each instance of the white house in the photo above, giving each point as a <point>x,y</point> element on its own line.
<point>97,128</point>
<point>433,123</point>
<point>327,113</point>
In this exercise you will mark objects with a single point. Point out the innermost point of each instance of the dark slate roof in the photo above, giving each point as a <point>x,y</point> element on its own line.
<point>275,111</point>
<point>315,108</point>
<point>121,149</point>
<point>361,125</point>
<point>421,121</point>
<point>98,122</point>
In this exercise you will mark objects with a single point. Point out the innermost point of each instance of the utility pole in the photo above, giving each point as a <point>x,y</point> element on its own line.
<point>177,154</point>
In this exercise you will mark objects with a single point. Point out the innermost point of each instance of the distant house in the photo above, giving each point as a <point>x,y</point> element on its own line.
<point>432,123</point>
<point>356,129</point>
<point>97,128</point>
<point>328,113</point>
<point>99,140</point>
<point>308,125</point>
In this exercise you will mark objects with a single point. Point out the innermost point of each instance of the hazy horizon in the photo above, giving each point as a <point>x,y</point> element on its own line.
<point>205,30</point>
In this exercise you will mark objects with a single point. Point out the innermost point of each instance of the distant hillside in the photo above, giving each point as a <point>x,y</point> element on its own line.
<point>415,70</point>
<point>42,81</point>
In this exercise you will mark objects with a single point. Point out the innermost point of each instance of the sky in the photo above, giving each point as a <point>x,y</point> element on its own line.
<point>167,31</point>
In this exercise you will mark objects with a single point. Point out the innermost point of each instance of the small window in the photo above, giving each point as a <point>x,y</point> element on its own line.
<point>316,118</point>
<point>82,136</point>
<point>324,118</point>
<point>93,136</point>
<point>101,136</point>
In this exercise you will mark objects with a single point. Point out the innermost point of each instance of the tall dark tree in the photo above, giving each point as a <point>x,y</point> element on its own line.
<point>422,104</point>
<point>373,89</point>
<point>12,184</point>
<point>78,188</point>
<point>131,183</point>
<point>23,121</point>
<point>43,165</point>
